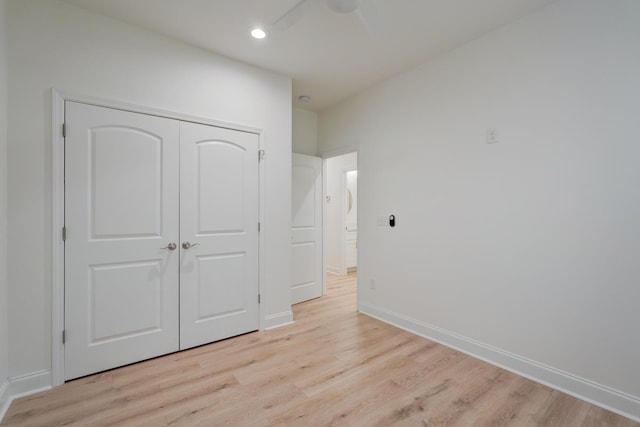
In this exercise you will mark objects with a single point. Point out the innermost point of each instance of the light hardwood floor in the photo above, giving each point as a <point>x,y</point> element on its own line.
<point>332,367</point>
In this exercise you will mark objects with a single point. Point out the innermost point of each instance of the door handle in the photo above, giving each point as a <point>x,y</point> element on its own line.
<point>187,245</point>
<point>171,246</point>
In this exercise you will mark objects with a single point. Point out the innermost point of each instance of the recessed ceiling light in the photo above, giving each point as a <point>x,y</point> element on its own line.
<point>258,33</point>
<point>304,98</point>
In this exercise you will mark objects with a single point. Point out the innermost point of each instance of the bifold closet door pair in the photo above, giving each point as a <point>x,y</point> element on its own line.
<point>161,249</point>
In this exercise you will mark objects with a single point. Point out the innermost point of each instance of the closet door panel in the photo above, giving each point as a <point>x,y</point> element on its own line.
<point>219,233</point>
<point>121,213</point>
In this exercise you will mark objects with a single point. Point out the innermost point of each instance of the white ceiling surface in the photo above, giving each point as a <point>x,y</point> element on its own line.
<point>329,56</point>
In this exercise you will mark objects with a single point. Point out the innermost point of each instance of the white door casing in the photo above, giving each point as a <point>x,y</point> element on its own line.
<point>121,210</point>
<point>306,228</point>
<point>218,215</point>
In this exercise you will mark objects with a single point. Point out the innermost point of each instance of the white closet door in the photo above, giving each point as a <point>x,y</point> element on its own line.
<point>306,228</point>
<point>219,233</point>
<point>121,213</point>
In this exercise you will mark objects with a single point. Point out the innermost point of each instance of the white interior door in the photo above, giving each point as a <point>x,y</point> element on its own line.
<point>351,219</point>
<point>219,215</point>
<point>121,216</point>
<point>306,228</point>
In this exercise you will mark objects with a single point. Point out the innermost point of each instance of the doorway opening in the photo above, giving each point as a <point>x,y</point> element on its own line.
<point>340,208</point>
<point>324,225</point>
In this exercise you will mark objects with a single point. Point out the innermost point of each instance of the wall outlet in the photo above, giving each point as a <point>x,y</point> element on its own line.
<point>492,136</point>
<point>372,284</point>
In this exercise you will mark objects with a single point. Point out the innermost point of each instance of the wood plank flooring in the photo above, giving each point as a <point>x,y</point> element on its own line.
<point>333,367</point>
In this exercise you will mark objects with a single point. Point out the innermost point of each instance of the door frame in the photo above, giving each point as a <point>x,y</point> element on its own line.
<point>58,99</point>
<point>325,156</point>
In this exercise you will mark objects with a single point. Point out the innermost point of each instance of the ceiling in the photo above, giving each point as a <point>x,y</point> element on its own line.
<point>330,56</point>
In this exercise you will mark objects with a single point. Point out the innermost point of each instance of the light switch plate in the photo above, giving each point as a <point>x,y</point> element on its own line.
<point>492,136</point>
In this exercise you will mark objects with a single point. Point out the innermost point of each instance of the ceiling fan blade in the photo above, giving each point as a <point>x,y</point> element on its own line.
<point>343,6</point>
<point>368,14</point>
<point>292,16</point>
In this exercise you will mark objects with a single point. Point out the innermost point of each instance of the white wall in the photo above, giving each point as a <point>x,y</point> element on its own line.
<point>53,44</point>
<point>526,251</point>
<point>334,170</point>
<point>305,132</point>
<point>4,340</point>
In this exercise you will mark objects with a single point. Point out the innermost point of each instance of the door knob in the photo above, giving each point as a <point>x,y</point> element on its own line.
<point>171,247</point>
<point>187,245</point>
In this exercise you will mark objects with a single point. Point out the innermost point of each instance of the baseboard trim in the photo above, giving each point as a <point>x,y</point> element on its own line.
<point>336,270</point>
<point>605,397</point>
<point>25,385</point>
<point>5,399</point>
<point>277,320</point>
<point>21,386</point>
